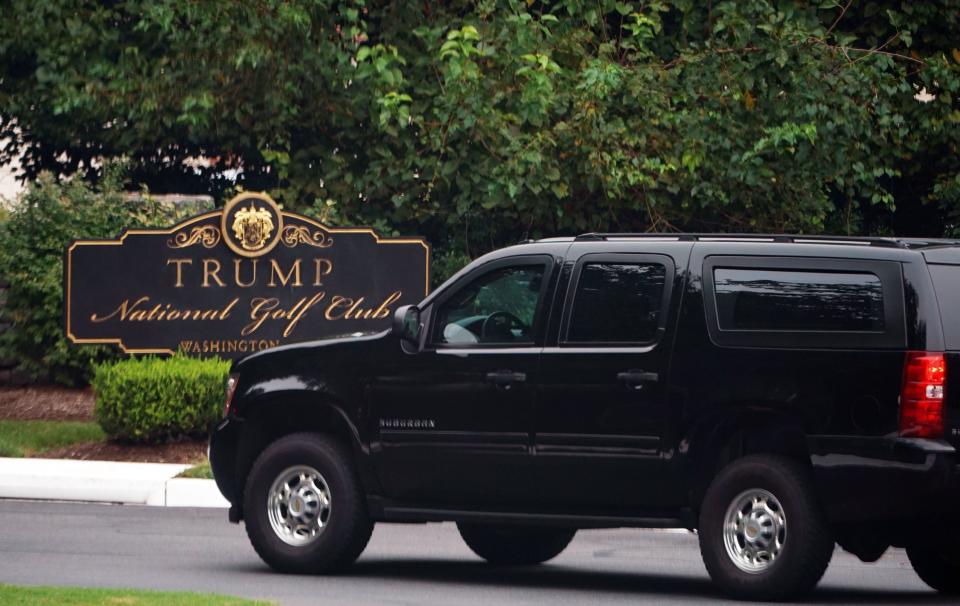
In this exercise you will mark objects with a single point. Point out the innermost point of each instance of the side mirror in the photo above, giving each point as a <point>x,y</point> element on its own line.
<point>406,324</point>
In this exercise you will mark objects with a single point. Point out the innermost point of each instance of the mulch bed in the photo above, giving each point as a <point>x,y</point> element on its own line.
<point>51,403</point>
<point>46,403</point>
<point>178,452</point>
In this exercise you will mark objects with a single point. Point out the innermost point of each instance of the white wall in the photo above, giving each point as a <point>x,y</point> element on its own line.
<point>9,186</point>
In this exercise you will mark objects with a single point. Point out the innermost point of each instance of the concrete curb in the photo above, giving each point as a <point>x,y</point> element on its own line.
<point>190,492</point>
<point>105,481</point>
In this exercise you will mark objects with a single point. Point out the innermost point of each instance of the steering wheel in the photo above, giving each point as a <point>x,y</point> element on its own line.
<point>499,323</point>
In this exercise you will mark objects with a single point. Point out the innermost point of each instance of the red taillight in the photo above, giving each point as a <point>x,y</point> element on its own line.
<point>231,389</point>
<point>921,396</point>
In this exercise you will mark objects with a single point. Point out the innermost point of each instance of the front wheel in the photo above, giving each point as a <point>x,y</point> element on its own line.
<point>518,546</point>
<point>762,534</point>
<point>304,508</point>
<point>938,567</point>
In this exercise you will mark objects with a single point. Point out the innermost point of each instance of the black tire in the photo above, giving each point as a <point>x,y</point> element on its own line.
<point>937,567</point>
<point>515,545</point>
<point>807,544</point>
<point>347,525</point>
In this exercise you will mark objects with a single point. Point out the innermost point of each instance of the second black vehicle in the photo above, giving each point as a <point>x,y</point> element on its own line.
<point>777,394</point>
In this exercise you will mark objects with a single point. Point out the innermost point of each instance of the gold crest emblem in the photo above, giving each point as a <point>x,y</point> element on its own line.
<point>251,224</point>
<point>252,227</point>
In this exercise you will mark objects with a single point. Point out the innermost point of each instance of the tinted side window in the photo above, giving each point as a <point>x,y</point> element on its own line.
<point>617,303</point>
<point>789,300</point>
<point>497,307</point>
<point>946,282</point>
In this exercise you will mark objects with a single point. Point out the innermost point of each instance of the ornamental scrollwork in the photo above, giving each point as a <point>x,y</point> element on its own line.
<point>293,235</point>
<point>206,235</point>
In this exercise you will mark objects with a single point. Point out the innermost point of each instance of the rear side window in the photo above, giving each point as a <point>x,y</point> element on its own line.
<point>617,303</point>
<point>804,302</point>
<point>946,283</point>
<point>788,300</point>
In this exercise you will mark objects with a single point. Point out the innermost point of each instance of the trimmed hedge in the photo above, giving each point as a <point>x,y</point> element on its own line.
<point>153,399</point>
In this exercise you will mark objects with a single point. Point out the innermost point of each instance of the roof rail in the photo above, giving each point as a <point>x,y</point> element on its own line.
<point>928,242</point>
<point>780,238</point>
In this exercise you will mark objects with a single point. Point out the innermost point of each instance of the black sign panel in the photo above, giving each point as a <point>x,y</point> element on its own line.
<point>237,280</point>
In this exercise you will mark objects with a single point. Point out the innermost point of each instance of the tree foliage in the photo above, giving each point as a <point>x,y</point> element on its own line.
<point>32,243</point>
<point>480,123</point>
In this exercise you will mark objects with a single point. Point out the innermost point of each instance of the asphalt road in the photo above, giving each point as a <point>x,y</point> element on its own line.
<point>197,550</point>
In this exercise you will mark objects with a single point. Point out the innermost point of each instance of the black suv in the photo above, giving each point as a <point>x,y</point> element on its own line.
<point>777,394</point>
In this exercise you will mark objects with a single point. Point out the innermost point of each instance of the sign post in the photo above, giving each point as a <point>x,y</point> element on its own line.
<point>237,280</point>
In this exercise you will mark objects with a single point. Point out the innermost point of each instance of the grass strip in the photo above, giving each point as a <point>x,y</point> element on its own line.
<point>12,595</point>
<point>200,471</point>
<point>27,438</point>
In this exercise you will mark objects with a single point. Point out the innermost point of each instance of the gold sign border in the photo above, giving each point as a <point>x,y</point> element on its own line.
<point>166,232</point>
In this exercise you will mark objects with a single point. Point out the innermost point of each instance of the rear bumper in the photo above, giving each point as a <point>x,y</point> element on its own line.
<point>224,440</point>
<point>875,479</point>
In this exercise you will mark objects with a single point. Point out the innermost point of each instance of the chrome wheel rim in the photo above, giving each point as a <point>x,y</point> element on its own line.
<point>754,531</point>
<point>298,505</point>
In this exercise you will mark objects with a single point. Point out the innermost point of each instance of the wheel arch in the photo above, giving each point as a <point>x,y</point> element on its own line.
<point>716,442</point>
<point>270,416</point>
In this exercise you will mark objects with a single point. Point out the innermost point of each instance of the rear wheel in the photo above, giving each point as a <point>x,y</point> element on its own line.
<point>519,545</point>
<point>304,509</point>
<point>939,567</point>
<point>762,535</point>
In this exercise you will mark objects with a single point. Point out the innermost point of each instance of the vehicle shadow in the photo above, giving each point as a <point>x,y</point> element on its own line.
<point>554,576</point>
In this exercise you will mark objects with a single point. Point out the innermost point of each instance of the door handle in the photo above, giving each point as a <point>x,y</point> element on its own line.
<point>636,379</point>
<point>505,378</point>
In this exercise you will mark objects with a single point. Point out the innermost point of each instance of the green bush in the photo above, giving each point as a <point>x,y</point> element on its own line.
<point>444,264</point>
<point>152,399</point>
<point>32,243</point>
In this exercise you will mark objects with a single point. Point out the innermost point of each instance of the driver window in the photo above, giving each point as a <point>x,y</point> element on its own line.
<point>498,307</point>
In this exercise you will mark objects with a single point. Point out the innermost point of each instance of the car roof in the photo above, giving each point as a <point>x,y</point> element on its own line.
<point>865,247</point>
<point>879,241</point>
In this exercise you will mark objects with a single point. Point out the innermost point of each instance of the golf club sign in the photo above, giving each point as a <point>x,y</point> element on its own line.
<point>237,280</point>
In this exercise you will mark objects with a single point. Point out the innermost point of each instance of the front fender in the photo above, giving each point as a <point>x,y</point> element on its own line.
<point>269,409</point>
<point>254,393</point>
